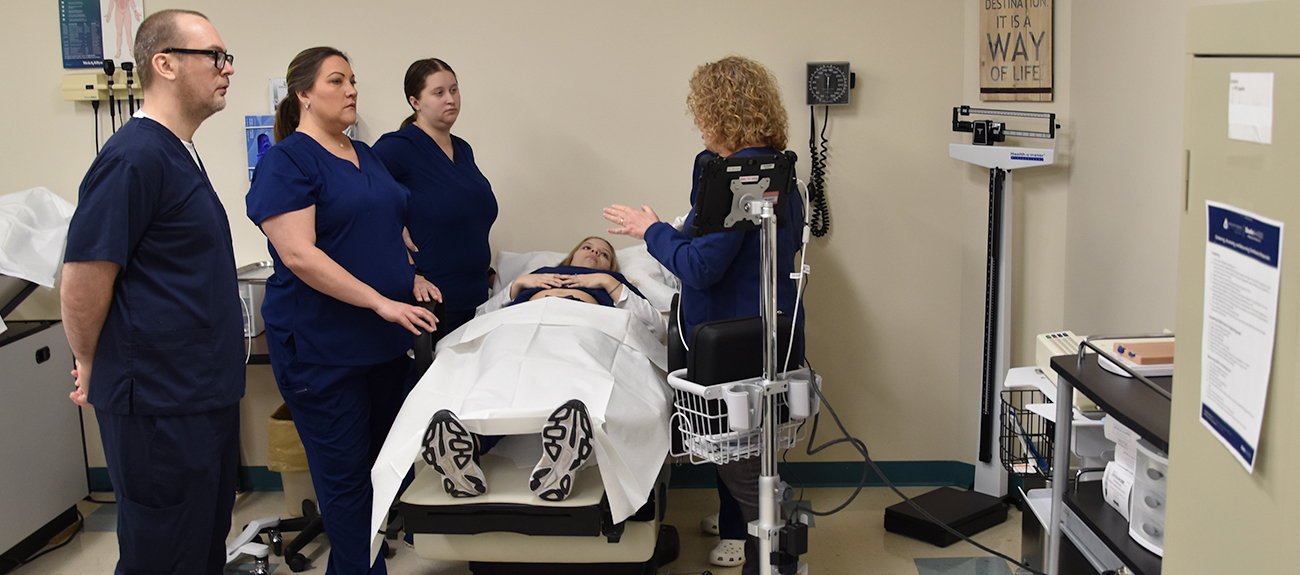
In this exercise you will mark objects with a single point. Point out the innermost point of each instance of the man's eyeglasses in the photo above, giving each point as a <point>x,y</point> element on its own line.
<point>219,59</point>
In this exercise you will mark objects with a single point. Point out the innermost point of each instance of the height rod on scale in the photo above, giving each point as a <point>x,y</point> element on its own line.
<point>990,478</point>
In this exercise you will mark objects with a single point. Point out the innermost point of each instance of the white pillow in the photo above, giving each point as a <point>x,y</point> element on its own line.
<point>649,276</point>
<point>640,268</point>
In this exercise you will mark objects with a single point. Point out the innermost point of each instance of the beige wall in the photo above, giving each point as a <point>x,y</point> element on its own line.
<point>573,105</point>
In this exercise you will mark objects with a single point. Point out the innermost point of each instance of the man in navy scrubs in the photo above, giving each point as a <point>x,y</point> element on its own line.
<point>152,312</point>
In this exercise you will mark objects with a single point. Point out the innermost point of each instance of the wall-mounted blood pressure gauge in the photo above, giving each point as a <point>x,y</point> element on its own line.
<point>829,83</point>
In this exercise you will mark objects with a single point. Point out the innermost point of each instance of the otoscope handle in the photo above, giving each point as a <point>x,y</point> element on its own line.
<point>128,67</point>
<point>112,114</point>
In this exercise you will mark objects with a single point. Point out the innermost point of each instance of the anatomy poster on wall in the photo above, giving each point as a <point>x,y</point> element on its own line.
<point>1016,50</point>
<point>93,30</point>
<point>1243,265</point>
<point>121,19</point>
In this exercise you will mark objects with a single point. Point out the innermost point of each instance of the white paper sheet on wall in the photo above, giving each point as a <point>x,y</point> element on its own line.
<point>1250,107</point>
<point>1243,261</point>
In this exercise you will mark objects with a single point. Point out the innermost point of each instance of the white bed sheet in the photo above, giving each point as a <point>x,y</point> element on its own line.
<point>503,373</point>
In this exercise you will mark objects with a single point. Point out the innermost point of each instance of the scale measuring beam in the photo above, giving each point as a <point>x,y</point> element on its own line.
<point>990,477</point>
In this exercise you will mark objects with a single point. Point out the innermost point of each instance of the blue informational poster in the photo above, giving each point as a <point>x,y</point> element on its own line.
<point>1243,260</point>
<point>258,138</point>
<point>82,31</point>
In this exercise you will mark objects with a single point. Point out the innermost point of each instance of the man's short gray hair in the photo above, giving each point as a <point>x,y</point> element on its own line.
<point>158,32</point>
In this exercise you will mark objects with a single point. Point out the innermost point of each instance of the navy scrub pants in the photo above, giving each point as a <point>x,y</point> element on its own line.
<point>343,414</point>
<point>175,479</point>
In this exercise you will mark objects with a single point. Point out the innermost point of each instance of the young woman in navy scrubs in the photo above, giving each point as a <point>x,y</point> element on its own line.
<point>737,107</point>
<point>339,309</point>
<point>451,207</point>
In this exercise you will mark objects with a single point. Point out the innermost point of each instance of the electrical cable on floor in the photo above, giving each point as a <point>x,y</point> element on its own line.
<point>80,525</point>
<point>862,449</point>
<point>857,444</point>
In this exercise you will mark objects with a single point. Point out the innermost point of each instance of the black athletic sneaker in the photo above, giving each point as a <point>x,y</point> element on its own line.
<point>566,445</point>
<point>449,448</point>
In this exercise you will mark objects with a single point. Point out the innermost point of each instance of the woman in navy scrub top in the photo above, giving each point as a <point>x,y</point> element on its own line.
<point>737,107</point>
<point>339,309</point>
<point>451,206</point>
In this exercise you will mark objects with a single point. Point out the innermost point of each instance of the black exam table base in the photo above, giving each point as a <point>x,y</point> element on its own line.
<point>548,521</point>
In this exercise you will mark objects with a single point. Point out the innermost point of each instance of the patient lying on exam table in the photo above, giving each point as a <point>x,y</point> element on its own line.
<point>589,274</point>
<point>591,378</point>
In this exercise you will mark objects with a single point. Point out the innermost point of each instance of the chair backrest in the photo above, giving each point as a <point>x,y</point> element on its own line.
<point>425,342</point>
<point>731,349</point>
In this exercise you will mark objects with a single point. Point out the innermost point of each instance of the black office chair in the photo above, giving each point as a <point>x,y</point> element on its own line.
<point>426,341</point>
<point>723,351</point>
<point>310,525</point>
<point>422,349</point>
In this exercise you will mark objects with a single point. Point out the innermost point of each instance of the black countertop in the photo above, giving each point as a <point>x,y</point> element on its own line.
<point>1126,399</point>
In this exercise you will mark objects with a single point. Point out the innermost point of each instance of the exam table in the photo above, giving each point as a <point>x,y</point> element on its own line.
<point>511,530</point>
<point>40,433</point>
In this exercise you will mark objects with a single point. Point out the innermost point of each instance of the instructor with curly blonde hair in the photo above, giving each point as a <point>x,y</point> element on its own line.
<point>737,107</point>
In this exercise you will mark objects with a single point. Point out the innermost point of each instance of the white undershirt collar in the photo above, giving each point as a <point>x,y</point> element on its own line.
<point>194,152</point>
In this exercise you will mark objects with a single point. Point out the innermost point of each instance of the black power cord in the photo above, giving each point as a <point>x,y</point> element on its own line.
<point>862,450</point>
<point>81,525</point>
<point>95,104</point>
<point>821,212</point>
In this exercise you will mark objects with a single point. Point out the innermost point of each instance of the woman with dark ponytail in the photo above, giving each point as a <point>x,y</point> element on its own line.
<point>339,311</point>
<point>451,207</point>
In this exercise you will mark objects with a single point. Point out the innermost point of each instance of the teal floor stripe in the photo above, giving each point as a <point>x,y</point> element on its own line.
<point>844,474</point>
<point>260,479</point>
<point>98,478</point>
<point>257,478</point>
<point>798,474</point>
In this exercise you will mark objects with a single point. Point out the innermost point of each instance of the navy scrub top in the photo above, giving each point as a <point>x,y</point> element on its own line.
<point>720,272</point>
<point>173,340</point>
<point>450,212</point>
<point>360,212</point>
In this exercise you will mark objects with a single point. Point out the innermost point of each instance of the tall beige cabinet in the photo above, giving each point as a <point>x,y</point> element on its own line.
<point>1221,518</point>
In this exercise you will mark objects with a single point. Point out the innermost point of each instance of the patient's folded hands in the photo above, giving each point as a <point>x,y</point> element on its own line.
<point>566,445</point>
<point>530,281</point>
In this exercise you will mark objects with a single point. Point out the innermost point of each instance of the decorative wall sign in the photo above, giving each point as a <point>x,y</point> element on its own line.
<point>1016,50</point>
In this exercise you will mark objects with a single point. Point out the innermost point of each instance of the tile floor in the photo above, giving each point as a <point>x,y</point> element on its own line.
<point>852,541</point>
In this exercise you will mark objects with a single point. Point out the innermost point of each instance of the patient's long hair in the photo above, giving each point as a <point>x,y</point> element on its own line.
<point>417,75</point>
<point>613,255</point>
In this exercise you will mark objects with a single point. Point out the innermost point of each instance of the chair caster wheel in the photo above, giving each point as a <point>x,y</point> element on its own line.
<point>262,566</point>
<point>277,542</point>
<point>297,562</point>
